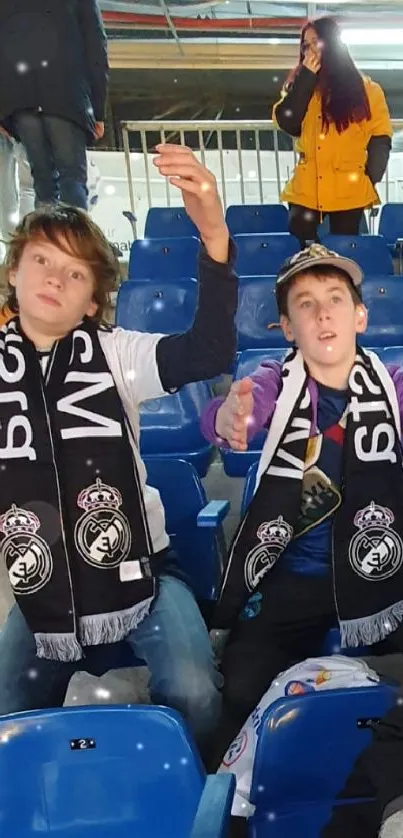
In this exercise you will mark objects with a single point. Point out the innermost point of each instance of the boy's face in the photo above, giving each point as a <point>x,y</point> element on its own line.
<point>54,289</point>
<point>323,321</point>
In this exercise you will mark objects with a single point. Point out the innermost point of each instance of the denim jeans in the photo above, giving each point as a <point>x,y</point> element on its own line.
<point>172,640</point>
<point>9,198</point>
<point>56,152</point>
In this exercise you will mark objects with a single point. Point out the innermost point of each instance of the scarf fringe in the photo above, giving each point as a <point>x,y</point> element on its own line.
<point>61,647</point>
<point>365,631</point>
<point>96,629</point>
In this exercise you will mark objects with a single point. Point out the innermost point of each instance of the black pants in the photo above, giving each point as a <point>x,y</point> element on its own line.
<point>296,613</point>
<point>303,223</point>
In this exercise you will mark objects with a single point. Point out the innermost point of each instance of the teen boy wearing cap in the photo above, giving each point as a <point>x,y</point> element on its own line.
<point>327,515</point>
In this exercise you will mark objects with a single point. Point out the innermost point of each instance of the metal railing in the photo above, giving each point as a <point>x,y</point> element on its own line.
<point>207,129</point>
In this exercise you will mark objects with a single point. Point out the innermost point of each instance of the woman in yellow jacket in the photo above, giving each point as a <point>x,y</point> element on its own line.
<point>344,132</point>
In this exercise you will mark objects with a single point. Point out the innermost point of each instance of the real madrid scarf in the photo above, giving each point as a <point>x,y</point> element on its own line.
<point>73,529</point>
<point>367,550</point>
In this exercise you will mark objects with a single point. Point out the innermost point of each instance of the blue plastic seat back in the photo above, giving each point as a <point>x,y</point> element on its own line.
<point>157,306</point>
<point>257,316</point>
<point>306,749</point>
<point>169,222</point>
<point>391,223</point>
<point>393,355</point>
<point>370,252</point>
<point>383,296</point>
<point>170,426</point>
<point>262,254</point>
<point>250,359</point>
<point>163,259</point>
<point>183,497</point>
<point>140,774</point>
<point>257,218</point>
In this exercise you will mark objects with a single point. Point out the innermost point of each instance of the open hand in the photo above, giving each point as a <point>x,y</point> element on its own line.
<point>199,191</point>
<point>312,60</point>
<point>234,415</point>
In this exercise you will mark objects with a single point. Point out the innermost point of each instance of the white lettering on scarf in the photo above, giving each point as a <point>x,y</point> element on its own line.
<point>302,428</point>
<point>17,423</point>
<point>380,443</point>
<point>102,425</point>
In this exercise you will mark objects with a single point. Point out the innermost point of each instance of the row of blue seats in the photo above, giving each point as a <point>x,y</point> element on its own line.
<point>169,307</point>
<point>258,254</point>
<point>170,222</point>
<point>116,772</point>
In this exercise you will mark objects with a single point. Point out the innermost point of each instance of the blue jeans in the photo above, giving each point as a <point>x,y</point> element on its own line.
<point>56,152</point>
<point>172,640</point>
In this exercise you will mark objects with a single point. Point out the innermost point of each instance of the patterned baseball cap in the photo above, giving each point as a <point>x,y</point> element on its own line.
<point>314,255</point>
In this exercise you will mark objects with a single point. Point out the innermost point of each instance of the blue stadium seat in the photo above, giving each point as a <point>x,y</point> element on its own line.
<point>195,530</point>
<point>170,426</point>
<point>391,224</point>
<point>163,259</point>
<point>306,749</point>
<point>107,772</point>
<point>257,218</point>
<point>383,295</point>
<point>262,254</point>
<point>158,306</point>
<point>370,252</point>
<point>257,316</point>
<point>393,355</point>
<point>193,524</point>
<point>169,222</point>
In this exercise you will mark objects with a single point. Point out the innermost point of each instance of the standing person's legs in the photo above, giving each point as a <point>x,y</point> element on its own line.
<point>303,223</point>
<point>174,642</point>
<point>30,128</point>
<point>26,681</point>
<point>296,611</point>
<point>345,222</point>
<point>9,193</point>
<point>69,142</point>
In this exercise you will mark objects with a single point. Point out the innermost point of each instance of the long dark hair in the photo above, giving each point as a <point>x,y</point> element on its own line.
<point>342,89</point>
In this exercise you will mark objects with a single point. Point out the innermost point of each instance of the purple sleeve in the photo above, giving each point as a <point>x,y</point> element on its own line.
<point>266,386</point>
<point>396,374</point>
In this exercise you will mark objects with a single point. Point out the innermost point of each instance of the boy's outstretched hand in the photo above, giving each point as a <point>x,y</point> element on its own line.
<point>200,195</point>
<point>234,415</point>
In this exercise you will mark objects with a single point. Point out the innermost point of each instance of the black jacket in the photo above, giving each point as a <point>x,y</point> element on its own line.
<point>53,59</point>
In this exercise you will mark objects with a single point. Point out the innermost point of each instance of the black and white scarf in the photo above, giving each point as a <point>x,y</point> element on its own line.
<point>368,525</point>
<point>73,528</point>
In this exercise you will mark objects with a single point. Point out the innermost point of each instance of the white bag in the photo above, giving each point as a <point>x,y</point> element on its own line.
<point>313,675</point>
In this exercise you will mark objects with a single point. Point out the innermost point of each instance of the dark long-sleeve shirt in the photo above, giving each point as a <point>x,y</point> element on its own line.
<point>208,348</point>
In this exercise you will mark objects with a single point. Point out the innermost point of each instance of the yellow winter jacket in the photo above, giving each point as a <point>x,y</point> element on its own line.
<point>5,315</point>
<point>330,175</point>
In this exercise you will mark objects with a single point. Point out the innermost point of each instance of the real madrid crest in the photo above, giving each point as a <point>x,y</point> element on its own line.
<point>376,550</point>
<point>27,556</point>
<point>102,535</point>
<point>274,537</point>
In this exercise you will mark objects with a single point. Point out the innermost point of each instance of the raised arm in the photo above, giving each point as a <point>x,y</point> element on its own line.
<point>208,347</point>
<point>290,111</point>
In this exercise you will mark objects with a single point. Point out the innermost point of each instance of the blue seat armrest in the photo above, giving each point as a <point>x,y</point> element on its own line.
<point>213,514</point>
<point>214,809</point>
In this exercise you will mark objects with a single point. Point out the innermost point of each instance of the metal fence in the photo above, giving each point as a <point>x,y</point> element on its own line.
<point>203,135</point>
